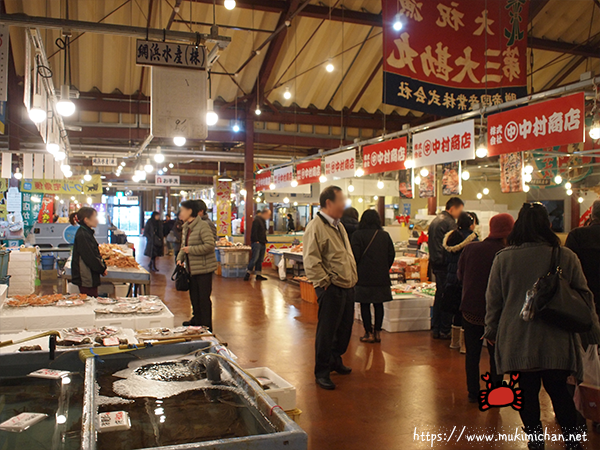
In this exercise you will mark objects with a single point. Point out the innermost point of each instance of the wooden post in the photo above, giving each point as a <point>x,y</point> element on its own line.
<point>249,179</point>
<point>575,212</point>
<point>381,208</point>
<point>431,206</point>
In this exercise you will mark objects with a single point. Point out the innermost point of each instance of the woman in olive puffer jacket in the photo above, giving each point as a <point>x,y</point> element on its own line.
<point>198,255</point>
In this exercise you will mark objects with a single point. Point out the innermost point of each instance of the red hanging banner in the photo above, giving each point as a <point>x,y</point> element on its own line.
<point>547,124</point>
<point>385,156</point>
<point>450,54</point>
<point>263,181</point>
<point>46,209</point>
<point>308,172</point>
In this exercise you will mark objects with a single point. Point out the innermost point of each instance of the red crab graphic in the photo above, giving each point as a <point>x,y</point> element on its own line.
<point>501,395</point>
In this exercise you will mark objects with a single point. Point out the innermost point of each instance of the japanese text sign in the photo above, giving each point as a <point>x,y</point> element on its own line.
<point>263,180</point>
<point>58,187</point>
<point>223,222</point>
<point>308,172</point>
<point>384,156</point>
<point>104,161</point>
<point>341,165</point>
<point>167,180</point>
<point>283,177</point>
<point>46,210</point>
<point>551,123</point>
<point>452,54</point>
<point>151,53</point>
<point>454,142</point>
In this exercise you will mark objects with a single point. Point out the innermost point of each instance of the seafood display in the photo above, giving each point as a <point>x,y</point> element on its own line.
<point>114,256</point>
<point>95,336</point>
<point>417,288</point>
<point>223,244</point>
<point>20,301</point>
<point>172,333</point>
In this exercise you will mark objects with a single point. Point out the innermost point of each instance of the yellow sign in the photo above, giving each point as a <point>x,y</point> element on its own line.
<point>64,187</point>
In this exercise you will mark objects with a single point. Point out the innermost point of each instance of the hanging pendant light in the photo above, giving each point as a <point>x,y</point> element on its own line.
<point>87,176</point>
<point>65,107</point>
<point>36,113</point>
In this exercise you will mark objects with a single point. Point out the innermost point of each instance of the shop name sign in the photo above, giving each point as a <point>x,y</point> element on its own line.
<point>104,162</point>
<point>167,180</point>
<point>446,144</point>
<point>59,187</point>
<point>263,180</point>
<point>152,53</point>
<point>283,177</point>
<point>384,156</point>
<point>341,165</point>
<point>308,172</point>
<point>547,124</point>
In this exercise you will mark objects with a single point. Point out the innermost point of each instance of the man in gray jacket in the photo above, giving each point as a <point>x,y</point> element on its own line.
<point>441,321</point>
<point>330,266</point>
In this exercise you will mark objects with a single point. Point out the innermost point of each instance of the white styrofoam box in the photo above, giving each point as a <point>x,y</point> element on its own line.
<point>115,320</point>
<point>19,264</point>
<point>20,288</point>
<point>280,391</point>
<point>409,302</point>
<point>72,288</point>
<point>397,325</point>
<point>121,290</point>
<point>34,318</point>
<point>165,319</point>
<point>3,293</point>
<point>22,256</point>
<point>408,313</point>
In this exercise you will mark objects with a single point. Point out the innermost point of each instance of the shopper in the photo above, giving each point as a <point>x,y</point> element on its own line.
<point>202,208</point>
<point>167,228</point>
<point>153,231</point>
<point>439,227</point>
<point>454,243</point>
<point>539,351</point>
<point>174,236</point>
<point>258,237</point>
<point>474,268</point>
<point>291,226</point>
<point>585,242</point>
<point>374,253</point>
<point>86,263</point>
<point>198,255</point>
<point>329,264</point>
<point>350,221</point>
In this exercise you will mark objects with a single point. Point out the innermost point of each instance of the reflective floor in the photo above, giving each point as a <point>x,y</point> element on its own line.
<point>409,383</point>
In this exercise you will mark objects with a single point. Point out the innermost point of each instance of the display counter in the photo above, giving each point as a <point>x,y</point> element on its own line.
<point>139,277</point>
<point>275,241</point>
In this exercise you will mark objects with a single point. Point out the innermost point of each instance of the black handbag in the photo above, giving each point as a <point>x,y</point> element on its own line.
<point>554,301</point>
<point>181,277</point>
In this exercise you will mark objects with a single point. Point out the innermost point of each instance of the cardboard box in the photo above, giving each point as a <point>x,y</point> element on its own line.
<point>48,275</point>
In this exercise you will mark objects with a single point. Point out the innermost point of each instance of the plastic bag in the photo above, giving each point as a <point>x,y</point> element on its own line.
<point>587,394</point>
<point>591,366</point>
<point>281,268</point>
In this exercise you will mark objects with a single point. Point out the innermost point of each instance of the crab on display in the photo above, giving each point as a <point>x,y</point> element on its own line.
<point>501,395</point>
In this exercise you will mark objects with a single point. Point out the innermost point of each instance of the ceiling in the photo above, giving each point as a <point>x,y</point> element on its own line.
<point>564,42</point>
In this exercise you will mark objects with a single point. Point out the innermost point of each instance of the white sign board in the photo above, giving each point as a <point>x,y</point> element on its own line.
<point>340,165</point>
<point>104,162</point>
<point>451,143</point>
<point>152,53</point>
<point>283,177</point>
<point>167,180</point>
<point>178,103</point>
<point>13,200</point>
<point>3,62</point>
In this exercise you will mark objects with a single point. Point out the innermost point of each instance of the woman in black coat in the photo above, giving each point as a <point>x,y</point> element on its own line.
<point>374,253</point>
<point>153,231</point>
<point>350,221</point>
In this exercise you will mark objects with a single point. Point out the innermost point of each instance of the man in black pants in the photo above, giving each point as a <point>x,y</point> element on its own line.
<point>330,266</point>
<point>439,227</point>
<point>258,237</point>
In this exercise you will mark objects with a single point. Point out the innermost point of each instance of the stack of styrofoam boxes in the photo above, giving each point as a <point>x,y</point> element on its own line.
<point>407,314</point>
<point>22,271</point>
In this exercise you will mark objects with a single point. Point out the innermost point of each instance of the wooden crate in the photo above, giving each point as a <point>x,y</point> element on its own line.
<point>307,292</point>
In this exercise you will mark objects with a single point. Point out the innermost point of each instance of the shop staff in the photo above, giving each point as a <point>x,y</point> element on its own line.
<point>198,255</point>
<point>330,266</point>
<point>439,227</point>
<point>258,237</point>
<point>86,265</point>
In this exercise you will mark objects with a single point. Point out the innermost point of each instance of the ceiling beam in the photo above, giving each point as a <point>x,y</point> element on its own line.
<point>588,51</point>
<point>535,7</point>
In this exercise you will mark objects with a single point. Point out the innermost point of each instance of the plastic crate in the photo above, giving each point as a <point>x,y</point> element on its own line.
<point>280,391</point>
<point>234,257</point>
<point>228,271</point>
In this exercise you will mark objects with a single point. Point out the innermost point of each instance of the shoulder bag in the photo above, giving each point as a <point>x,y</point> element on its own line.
<point>554,301</point>
<point>370,242</point>
<point>180,275</point>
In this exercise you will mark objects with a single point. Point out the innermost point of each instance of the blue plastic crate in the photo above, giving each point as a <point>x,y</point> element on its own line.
<point>228,271</point>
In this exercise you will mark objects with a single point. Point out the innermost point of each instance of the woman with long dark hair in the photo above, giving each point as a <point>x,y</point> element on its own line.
<point>198,255</point>
<point>87,264</point>
<point>153,231</point>
<point>374,253</point>
<point>541,352</point>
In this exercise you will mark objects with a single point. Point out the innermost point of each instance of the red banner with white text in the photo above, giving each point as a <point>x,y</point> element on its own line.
<point>308,172</point>
<point>448,55</point>
<point>385,156</point>
<point>546,124</point>
<point>263,180</point>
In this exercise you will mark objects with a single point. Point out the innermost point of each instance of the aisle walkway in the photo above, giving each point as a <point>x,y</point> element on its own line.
<point>407,382</point>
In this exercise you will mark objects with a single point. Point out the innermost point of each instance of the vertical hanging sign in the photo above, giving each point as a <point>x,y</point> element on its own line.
<point>308,172</point>
<point>263,180</point>
<point>451,54</point>
<point>223,208</point>
<point>283,177</point>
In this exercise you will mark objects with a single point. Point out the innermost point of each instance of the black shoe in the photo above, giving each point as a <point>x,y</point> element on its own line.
<point>343,370</point>
<point>326,383</point>
<point>261,278</point>
<point>435,334</point>
<point>187,323</point>
<point>445,336</point>
<point>377,336</point>
<point>247,276</point>
<point>473,398</point>
<point>367,338</point>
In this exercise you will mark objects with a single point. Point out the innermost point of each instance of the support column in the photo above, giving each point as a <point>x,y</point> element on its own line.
<point>575,212</point>
<point>249,179</point>
<point>431,205</point>
<point>381,208</point>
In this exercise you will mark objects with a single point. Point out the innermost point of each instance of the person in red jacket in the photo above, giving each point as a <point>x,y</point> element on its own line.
<point>474,268</point>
